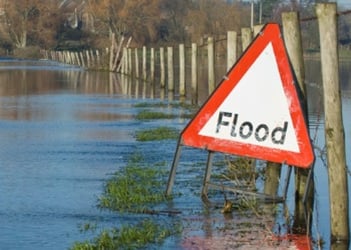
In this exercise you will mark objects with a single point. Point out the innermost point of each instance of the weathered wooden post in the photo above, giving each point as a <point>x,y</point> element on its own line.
<point>144,72</point>
<point>112,49</point>
<point>246,37</point>
<point>82,58</point>
<point>88,58</point>
<point>98,59</point>
<point>137,75</point>
<point>211,64</point>
<point>136,58</point>
<point>70,58</point>
<point>293,43</point>
<point>170,69</point>
<point>76,54</point>
<point>126,64</point>
<point>162,68</point>
<point>144,64</point>
<point>152,72</point>
<point>130,66</point>
<point>93,59</point>
<point>231,48</point>
<point>181,70</point>
<point>123,68</point>
<point>257,28</point>
<point>73,58</point>
<point>334,130</point>
<point>194,83</point>
<point>64,57</point>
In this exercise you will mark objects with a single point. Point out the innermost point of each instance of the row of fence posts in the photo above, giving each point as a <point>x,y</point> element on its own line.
<point>108,59</point>
<point>91,59</point>
<point>167,67</point>
<point>334,131</point>
<point>121,60</point>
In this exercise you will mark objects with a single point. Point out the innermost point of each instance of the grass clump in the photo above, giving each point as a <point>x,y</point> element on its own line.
<point>157,134</point>
<point>182,105</point>
<point>133,189</point>
<point>128,237</point>
<point>153,115</point>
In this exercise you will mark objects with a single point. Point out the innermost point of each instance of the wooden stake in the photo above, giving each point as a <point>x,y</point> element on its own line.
<point>334,130</point>
<point>231,48</point>
<point>194,75</point>
<point>170,69</point>
<point>182,70</point>
<point>211,65</point>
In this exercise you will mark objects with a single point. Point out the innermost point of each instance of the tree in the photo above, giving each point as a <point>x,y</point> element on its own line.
<point>139,19</point>
<point>30,21</point>
<point>215,18</point>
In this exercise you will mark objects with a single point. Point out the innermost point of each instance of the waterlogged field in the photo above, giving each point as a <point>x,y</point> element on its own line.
<point>84,161</point>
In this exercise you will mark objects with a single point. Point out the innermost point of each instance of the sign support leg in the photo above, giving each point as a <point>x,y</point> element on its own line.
<point>207,177</point>
<point>173,170</point>
<point>308,184</point>
<point>287,181</point>
<point>306,203</point>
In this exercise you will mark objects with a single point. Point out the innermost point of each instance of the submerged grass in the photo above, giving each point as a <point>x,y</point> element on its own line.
<point>156,134</point>
<point>134,188</point>
<point>184,110</point>
<point>187,106</point>
<point>128,237</point>
<point>153,115</point>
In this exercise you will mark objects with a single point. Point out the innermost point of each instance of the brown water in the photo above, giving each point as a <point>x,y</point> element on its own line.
<point>64,131</point>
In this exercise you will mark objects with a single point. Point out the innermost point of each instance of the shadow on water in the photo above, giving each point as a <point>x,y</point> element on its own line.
<point>64,132</point>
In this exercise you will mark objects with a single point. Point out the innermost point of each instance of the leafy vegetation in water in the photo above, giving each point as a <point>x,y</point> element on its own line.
<point>183,105</point>
<point>153,115</point>
<point>185,110</point>
<point>156,134</point>
<point>128,236</point>
<point>133,189</point>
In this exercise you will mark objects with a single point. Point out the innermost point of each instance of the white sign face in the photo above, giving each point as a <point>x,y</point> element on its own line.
<point>257,111</point>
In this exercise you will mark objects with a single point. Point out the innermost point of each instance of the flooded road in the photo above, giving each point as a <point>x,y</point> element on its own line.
<point>65,131</point>
<point>59,140</point>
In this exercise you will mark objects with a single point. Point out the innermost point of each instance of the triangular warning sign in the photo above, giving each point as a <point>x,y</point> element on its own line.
<point>255,110</point>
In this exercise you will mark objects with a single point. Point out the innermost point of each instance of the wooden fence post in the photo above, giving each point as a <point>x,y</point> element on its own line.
<point>76,54</point>
<point>137,75</point>
<point>293,42</point>
<point>334,130</point>
<point>194,83</point>
<point>112,50</point>
<point>98,60</point>
<point>88,58</point>
<point>181,70</point>
<point>136,59</point>
<point>123,60</point>
<point>231,48</point>
<point>130,66</point>
<point>162,68</point>
<point>246,37</point>
<point>152,72</point>
<point>93,59</point>
<point>144,64</point>
<point>82,58</point>
<point>257,28</point>
<point>211,65</point>
<point>170,69</point>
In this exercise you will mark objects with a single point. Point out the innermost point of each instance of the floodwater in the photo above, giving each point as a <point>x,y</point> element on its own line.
<point>64,131</point>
